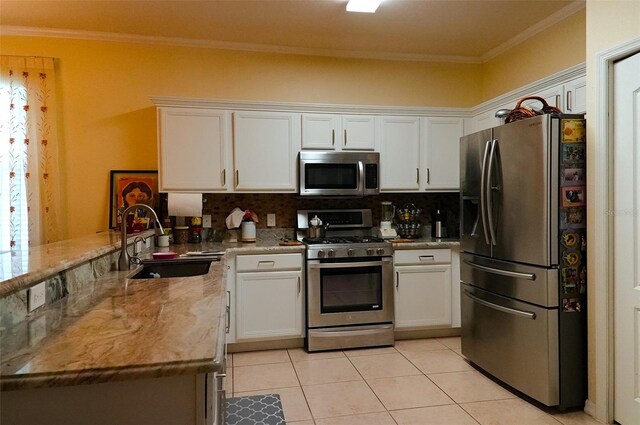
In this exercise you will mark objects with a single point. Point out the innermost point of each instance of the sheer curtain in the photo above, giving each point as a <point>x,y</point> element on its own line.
<point>29,173</point>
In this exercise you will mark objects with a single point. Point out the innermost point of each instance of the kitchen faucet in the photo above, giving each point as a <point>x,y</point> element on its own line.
<point>124,261</point>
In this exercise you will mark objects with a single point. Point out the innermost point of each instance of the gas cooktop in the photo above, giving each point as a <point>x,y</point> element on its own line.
<point>342,240</point>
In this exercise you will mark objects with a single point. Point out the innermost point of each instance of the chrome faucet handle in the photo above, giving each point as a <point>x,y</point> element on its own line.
<point>135,244</point>
<point>135,260</point>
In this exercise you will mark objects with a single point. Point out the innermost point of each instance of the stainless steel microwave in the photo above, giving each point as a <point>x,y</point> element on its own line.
<point>339,173</point>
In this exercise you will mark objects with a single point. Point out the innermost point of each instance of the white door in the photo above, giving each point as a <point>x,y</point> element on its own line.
<point>423,296</point>
<point>358,132</point>
<point>626,128</point>
<point>399,153</point>
<point>575,96</point>
<point>321,131</point>
<point>442,153</point>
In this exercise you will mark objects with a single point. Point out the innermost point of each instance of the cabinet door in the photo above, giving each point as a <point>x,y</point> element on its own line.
<point>554,96</point>
<point>576,96</point>
<point>442,153</point>
<point>358,132</point>
<point>455,288</point>
<point>321,131</point>
<point>399,153</point>
<point>423,296</point>
<point>269,305</point>
<point>192,146</point>
<point>265,148</point>
<point>485,120</point>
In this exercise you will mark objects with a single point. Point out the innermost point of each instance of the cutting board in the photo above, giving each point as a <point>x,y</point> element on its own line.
<point>290,243</point>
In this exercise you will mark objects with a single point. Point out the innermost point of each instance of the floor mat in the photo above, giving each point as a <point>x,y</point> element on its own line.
<point>255,410</point>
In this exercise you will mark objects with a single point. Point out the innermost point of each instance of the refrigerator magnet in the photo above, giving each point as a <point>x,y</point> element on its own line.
<point>570,239</point>
<point>573,131</point>
<point>571,305</point>
<point>569,276</point>
<point>573,196</point>
<point>572,176</point>
<point>572,153</point>
<point>571,258</point>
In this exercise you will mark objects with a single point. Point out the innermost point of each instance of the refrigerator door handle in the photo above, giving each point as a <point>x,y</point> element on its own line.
<point>483,184</point>
<point>487,188</point>
<point>525,314</point>
<point>528,276</point>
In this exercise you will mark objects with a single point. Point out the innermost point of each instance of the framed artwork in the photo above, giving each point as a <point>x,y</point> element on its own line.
<point>130,187</point>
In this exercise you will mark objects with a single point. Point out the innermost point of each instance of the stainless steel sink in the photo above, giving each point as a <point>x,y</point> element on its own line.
<point>173,268</point>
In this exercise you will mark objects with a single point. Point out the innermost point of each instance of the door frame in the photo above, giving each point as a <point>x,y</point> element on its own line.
<point>601,234</point>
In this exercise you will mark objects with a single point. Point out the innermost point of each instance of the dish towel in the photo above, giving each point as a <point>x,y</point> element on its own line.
<point>234,219</point>
<point>255,410</point>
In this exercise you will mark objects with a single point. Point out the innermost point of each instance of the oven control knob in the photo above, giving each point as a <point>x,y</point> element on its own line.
<point>331,253</point>
<point>350,252</point>
<point>380,251</point>
<point>370,251</point>
<point>320,254</point>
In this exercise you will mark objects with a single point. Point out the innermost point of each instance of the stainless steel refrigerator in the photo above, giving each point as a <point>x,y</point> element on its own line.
<point>523,256</point>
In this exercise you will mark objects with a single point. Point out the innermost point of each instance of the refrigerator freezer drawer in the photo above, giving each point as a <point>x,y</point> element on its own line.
<point>536,285</point>
<point>514,341</point>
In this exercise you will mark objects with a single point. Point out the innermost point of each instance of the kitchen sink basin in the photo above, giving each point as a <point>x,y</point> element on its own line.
<point>173,268</point>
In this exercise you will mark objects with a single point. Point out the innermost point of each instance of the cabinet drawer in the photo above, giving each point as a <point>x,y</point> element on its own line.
<point>422,256</point>
<point>268,262</point>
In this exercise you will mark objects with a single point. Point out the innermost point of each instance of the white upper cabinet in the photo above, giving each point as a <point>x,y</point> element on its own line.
<point>358,132</point>
<point>442,153</point>
<point>265,149</point>
<point>484,120</point>
<point>399,144</point>
<point>575,96</point>
<point>192,151</point>
<point>553,96</point>
<point>321,131</point>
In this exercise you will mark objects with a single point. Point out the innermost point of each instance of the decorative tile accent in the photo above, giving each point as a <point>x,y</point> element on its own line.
<point>255,410</point>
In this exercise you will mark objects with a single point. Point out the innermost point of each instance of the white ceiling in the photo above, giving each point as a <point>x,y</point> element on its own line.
<point>446,30</point>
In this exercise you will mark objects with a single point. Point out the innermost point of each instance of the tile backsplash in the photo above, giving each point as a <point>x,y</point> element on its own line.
<point>286,205</point>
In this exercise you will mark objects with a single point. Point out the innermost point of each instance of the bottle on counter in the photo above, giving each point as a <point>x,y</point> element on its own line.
<point>439,223</point>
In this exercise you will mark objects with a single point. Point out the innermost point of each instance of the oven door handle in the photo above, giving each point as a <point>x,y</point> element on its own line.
<point>348,264</point>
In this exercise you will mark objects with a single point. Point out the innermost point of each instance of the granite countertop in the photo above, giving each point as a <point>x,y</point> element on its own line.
<point>120,328</point>
<point>432,243</point>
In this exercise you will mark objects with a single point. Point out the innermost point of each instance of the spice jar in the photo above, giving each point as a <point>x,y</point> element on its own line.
<point>181,234</point>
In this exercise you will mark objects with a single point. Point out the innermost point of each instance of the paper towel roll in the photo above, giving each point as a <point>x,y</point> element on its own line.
<point>185,204</point>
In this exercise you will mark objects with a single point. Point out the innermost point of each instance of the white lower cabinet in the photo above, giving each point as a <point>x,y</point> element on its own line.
<point>423,288</point>
<point>269,299</point>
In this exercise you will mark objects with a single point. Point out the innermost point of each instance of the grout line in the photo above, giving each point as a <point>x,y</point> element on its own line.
<point>304,395</point>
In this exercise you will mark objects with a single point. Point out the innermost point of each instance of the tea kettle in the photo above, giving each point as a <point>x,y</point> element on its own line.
<point>316,230</point>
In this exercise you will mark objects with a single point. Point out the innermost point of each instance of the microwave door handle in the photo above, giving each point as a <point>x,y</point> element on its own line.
<point>483,201</point>
<point>488,188</point>
<point>361,177</point>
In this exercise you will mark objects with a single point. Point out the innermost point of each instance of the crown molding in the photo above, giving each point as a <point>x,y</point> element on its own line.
<point>535,29</point>
<point>552,80</point>
<point>241,105</point>
<point>225,45</point>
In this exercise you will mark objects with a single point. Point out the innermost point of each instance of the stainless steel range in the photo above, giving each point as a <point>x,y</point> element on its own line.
<point>349,282</point>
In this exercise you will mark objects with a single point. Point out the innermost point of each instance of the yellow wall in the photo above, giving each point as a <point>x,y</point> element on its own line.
<point>609,24</point>
<point>559,47</point>
<point>108,122</point>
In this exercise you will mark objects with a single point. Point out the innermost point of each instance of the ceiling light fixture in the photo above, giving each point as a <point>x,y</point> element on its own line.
<point>365,6</point>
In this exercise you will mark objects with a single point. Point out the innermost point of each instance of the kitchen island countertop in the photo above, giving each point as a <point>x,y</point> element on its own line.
<point>119,328</point>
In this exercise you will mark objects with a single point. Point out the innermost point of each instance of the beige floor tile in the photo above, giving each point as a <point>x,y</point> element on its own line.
<point>300,355</point>
<point>370,351</point>
<point>453,342</point>
<point>436,415</point>
<point>341,399</point>
<point>261,357</point>
<point>325,371</point>
<point>437,361</point>
<point>368,419</point>
<point>384,366</point>
<point>405,392</point>
<point>508,412</point>
<point>301,423</point>
<point>466,387</point>
<point>575,418</point>
<point>409,345</point>
<point>228,382</point>
<point>294,404</point>
<point>259,377</point>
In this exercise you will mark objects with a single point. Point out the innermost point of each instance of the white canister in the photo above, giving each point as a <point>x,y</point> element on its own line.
<point>248,231</point>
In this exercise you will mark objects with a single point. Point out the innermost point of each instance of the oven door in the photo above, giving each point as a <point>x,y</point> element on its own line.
<point>349,292</point>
